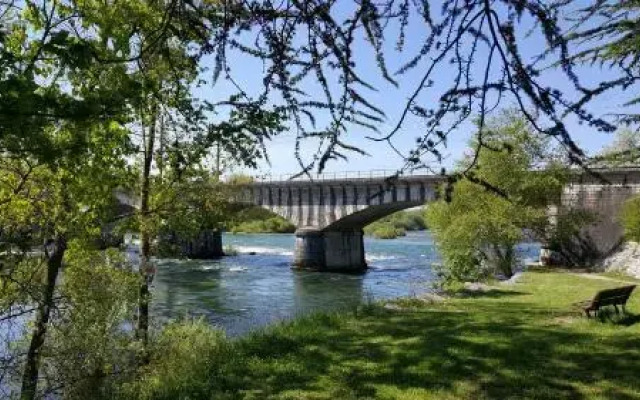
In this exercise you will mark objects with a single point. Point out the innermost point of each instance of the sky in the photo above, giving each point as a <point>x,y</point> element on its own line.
<point>248,73</point>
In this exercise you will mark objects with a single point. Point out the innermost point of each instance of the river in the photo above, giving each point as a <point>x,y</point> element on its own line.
<point>258,287</point>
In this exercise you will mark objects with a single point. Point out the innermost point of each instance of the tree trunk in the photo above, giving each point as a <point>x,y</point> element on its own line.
<point>32,365</point>
<point>142,331</point>
<point>504,260</point>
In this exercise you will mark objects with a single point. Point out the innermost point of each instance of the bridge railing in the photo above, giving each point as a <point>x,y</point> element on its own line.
<point>328,176</point>
<point>385,173</point>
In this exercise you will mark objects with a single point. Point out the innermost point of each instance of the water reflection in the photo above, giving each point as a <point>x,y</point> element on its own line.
<point>329,291</point>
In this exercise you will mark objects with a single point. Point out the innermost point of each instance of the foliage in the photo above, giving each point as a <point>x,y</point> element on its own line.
<point>630,218</point>
<point>623,152</point>
<point>569,240</point>
<point>607,35</point>
<point>44,204</point>
<point>499,197</point>
<point>257,220</point>
<point>396,225</point>
<point>84,85</point>
<point>64,197</point>
<point>199,202</point>
<point>275,224</point>
<point>89,344</point>
<point>247,214</point>
<point>239,179</point>
<point>185,363</point>
<point>387,232</point>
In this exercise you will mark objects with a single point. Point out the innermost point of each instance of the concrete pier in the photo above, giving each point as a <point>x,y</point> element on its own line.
<point>339,251</point>
<point>310,249</point>
<point>207,245</point>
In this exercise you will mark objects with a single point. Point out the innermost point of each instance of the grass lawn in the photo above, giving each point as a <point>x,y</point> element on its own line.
<point>523,341</point>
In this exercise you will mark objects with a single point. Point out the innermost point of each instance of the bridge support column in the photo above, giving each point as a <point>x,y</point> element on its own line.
<point>206,245</point>
<point>309,253</point>
<point>340,251</point>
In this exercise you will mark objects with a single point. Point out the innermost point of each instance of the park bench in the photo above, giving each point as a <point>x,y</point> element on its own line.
<point>609,297</point>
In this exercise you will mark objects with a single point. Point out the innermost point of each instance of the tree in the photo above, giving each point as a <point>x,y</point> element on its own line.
<point>308,48</point>
<point>50,205</point>
<point>176,138</point>
<point>478,226</point>
<point>481,47</point>
<point>624,151</point>
<point>607,32</point>
<point>88,349</point>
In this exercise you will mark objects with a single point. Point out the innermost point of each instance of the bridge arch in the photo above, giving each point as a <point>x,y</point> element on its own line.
<point>371,214</point>
<point>330,215</point>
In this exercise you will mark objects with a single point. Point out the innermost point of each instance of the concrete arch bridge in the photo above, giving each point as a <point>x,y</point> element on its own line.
<point>331,211</point>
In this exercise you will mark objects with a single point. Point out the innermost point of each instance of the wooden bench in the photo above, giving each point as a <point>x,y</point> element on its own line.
<point>608,297</point>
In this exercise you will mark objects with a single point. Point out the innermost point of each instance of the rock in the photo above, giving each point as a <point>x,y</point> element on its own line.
<point>626,260</point>
<point>514,279</point>
<point>476,287</point>
<point>431,298</point>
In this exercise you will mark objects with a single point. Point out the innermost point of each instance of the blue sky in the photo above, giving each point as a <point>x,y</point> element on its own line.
<point>248,73</point>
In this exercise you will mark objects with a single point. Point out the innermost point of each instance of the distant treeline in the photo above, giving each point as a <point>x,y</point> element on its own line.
<point>259,220</point>
<point>397,224</point>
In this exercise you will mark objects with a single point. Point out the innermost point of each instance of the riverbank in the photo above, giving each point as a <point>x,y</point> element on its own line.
<point>518,341</point>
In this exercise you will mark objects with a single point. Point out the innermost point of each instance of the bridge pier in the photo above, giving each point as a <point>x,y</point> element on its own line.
<point>340,251</point>
<point>206,245</point>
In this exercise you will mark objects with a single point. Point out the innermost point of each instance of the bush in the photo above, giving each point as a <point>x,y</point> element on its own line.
<point>401,222</point>
<point>270,225</point>
<point>388,232</point>
<point>572,246</point>
<point>186,363</point>
<point>630,218</point>
<point>87,347</point>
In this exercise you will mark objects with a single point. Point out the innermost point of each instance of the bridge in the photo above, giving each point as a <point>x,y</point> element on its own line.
<point>331,210</point>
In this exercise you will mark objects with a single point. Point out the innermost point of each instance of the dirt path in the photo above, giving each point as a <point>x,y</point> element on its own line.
<point>603,278</point>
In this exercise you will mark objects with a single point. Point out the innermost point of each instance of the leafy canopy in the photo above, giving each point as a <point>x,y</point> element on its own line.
<point>505,192</point>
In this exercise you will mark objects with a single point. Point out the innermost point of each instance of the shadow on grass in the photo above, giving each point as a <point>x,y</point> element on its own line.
<point>492,352</point>
<point>609,316</point>
<point>627,320</point>
<point>490,293</point>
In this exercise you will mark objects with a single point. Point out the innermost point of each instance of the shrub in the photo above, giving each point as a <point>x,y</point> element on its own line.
<point>388,232</point>
<point>270,225</point>
<point>401,221</point>
<point>186,363</point>
<point>630,218</point>
<point>87,347</point>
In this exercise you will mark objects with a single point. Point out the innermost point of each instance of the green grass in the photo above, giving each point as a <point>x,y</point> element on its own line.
<point>522,341</point>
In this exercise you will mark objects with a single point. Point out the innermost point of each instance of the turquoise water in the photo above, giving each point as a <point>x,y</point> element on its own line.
<point>243,292</point>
